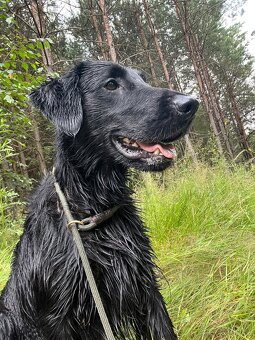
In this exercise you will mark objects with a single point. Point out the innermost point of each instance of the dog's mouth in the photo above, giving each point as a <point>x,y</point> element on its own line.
<point>137,150</point>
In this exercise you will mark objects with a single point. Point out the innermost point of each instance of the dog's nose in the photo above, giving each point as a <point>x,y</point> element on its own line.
<point>185,104</point>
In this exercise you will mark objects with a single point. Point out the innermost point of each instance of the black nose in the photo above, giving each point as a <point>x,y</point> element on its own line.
<point>185,105</point>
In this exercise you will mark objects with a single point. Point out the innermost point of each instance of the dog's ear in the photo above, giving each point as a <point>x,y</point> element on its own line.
<point>60,101</point>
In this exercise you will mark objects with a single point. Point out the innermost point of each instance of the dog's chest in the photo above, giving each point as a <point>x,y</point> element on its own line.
<point>122,269</point>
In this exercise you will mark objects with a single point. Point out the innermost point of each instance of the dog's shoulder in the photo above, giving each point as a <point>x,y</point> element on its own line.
<point>7,324</point>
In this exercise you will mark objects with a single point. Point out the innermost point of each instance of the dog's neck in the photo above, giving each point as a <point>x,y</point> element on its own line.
<point>91,184</point>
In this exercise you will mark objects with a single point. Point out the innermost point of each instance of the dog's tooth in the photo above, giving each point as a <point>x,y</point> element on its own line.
<point>126,140</point>
<point>135,144</point>
<point>156,152</point>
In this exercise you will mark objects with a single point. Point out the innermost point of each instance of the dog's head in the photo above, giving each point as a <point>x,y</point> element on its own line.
<point>111,110</point>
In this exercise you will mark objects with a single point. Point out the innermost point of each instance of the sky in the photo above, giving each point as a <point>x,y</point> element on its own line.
<point>248,20</point>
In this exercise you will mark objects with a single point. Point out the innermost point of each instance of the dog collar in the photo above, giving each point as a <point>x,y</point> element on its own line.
<point>89,222</point>
<point>93,221</point>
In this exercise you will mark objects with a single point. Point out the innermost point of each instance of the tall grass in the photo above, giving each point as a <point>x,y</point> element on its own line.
<point>202,225</point>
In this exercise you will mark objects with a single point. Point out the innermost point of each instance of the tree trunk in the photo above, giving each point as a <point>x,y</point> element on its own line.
<point>23,161</point>
<point>97,30</point>
<point>213,98</point>
<point>39,149</point>
<point>188,142</point>
<point>239,124</point>
<point>173,75</point>
<point>35,8</point>
<point>191,150</point>
<point>157,44</point>
<point>205,83</point>
<point>108,31</point>
<point>144,42</point>
<point>164,67</point>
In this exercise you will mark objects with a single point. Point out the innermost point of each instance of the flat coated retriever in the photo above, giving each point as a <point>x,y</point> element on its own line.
<point>107,119</point>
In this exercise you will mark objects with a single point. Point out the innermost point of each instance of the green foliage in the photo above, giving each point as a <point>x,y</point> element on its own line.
<point>19,73</point>
<point>19,62</point>
<point>6,150</point>
<point>10,229</point>
<point>202,228</point>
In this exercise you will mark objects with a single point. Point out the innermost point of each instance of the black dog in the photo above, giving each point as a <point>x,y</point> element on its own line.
<point>107,119</point>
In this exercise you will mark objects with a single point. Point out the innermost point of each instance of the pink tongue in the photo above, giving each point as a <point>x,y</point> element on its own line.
<point>168,151</point>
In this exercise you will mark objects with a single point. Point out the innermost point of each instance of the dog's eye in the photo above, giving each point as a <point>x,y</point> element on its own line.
<point>111,85</point>
<point>143,76</point>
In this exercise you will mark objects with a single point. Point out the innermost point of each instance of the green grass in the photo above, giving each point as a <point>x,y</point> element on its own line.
<point>202,225</point>
<point>8,239</point>
<point>10,230</point>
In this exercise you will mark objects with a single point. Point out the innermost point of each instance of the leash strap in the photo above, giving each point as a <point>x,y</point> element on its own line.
<point>85,261</point>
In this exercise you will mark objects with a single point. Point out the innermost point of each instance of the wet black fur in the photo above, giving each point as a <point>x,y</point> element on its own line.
<point>47,295</point>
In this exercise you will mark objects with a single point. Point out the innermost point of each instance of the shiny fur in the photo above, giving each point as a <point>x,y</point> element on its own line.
<point>47,295</point>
